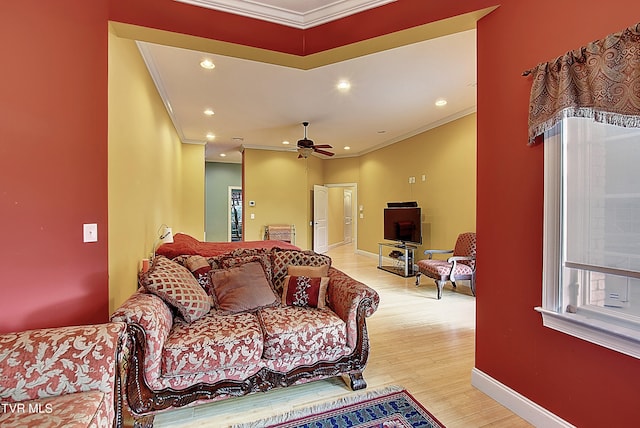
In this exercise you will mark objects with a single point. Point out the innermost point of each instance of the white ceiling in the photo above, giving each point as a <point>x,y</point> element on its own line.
<point>259,105</point>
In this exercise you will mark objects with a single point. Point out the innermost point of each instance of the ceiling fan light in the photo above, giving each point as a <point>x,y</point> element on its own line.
<point>305,151</point>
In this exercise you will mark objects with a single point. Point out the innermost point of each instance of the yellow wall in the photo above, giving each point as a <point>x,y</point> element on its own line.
<point>342,170</point>
<point>154,179</point>
<point>447,157</point>
<point>281,186</point>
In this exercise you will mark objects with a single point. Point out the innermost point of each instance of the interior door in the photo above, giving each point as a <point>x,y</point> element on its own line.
<point>348,216</point>
<point>320,215</point>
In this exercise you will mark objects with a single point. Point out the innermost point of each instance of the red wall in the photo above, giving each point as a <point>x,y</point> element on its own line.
<point>585,384</point>
<point>53,173</point>
<point>53,162</point>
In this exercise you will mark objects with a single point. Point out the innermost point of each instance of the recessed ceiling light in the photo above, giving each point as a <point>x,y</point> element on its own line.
<point>210,136</point>
<point>285,142</point>
<point>209,112</point>
<point>441,102</point>
<point>208,64</point>
<point>343,85</point>
<point>223,155</point>
<point>347,148</point>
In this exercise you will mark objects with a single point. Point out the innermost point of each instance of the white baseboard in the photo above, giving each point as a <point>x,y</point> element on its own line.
<point>517,403</point>
<point>366,253</point>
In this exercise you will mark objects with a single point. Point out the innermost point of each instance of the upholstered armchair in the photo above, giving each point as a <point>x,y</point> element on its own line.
<point>460,266</point>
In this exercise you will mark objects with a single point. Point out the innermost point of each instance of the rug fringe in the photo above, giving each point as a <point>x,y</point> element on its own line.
<point>319,408</point>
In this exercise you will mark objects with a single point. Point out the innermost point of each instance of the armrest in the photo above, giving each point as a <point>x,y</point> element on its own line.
<point>459,258</point>
<point>52,362</point>
<point>454,260</point>
<point>155,318</point>
<point>345,295</point>
<point>430,253</point>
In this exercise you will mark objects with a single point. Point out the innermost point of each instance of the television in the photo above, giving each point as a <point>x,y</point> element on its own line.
<point>403,223</point>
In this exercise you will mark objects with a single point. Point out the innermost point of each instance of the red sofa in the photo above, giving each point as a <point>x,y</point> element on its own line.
<point>182,356</point>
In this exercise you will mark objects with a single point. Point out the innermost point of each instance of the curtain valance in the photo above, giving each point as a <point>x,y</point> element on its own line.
<point>599,81</point>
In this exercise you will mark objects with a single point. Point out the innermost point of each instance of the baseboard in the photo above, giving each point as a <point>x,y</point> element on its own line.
<point>517,403</point>
<point>366,253</point>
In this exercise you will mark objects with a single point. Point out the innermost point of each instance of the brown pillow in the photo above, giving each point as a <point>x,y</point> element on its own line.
<point>310,271</point>
<point>242,288</point>
<point>304,291</point>
<point>175,285</point>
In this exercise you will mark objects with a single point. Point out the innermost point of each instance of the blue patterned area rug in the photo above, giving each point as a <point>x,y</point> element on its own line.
<point>392,407</point>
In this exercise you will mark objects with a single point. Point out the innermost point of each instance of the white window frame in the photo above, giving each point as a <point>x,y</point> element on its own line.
<point>554,312</point>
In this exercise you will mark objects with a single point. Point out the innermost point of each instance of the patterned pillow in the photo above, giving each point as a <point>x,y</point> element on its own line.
<point>305,291</point>
<point>177,287</point>
<point>199,267</point>
<point>282,259</point>
<point>310,271</point>
<point>242,288</point>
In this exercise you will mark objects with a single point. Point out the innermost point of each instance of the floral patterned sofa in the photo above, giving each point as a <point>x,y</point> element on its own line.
<point>61,377</point>
<point>255,319</point>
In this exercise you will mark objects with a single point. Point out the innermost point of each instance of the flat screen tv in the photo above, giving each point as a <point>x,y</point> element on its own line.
<point>403,223</point>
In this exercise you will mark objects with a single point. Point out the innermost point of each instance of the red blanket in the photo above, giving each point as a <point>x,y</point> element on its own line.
<point>185,244</point>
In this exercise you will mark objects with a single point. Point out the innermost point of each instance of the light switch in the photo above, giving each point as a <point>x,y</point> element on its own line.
<point>90,232</point>
<point>253,216</point>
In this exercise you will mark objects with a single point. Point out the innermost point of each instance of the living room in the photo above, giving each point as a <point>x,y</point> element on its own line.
<point>64,181</point>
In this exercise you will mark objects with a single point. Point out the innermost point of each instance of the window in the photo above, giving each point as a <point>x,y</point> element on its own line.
<point>591,268</point>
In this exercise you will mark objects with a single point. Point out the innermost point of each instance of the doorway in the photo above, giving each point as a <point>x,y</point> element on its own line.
<point>343,222</point>
<point>235,214</point>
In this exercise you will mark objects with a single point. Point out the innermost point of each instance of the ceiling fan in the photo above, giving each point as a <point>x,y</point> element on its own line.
<point>306,146</point>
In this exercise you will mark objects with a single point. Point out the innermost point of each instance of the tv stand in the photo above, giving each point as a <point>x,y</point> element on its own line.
<point>404,265</point>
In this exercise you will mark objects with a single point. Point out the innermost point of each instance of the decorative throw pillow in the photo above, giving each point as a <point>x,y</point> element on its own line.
<point>242,288</point>
<point>175,285</point>
<point>305,291</point>
<point>281,259</point>
<point>310,271</point>
<point>199,267</point>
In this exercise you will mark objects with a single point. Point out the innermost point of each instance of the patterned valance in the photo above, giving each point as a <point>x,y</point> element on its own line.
<point>599,81</point>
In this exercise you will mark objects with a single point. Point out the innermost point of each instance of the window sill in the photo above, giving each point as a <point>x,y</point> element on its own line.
<point>620,339</point>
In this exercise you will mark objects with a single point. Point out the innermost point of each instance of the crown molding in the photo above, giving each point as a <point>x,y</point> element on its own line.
<point>301,20</point>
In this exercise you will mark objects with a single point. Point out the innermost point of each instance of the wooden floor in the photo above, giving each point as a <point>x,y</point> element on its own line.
<point>418,342</point>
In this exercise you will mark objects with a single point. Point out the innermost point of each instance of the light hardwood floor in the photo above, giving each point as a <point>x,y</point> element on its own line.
<point>418,342</point>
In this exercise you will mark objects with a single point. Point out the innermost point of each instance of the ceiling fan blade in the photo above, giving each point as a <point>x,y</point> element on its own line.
<point>324,152</point>
<point>323,146</point>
